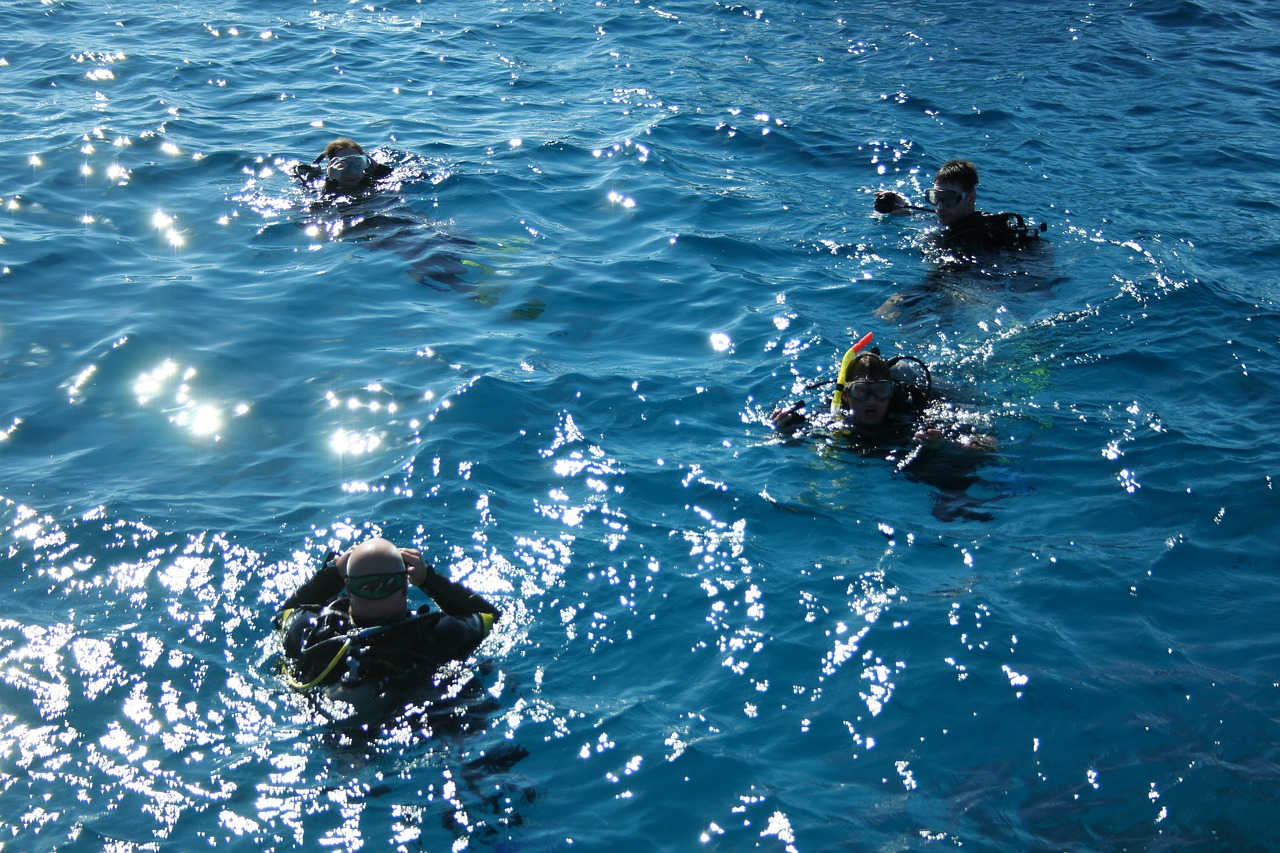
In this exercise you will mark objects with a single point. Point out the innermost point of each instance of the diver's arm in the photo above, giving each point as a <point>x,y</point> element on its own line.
<point>932,438</point>
<point>308,172</point>
<point>322,587</point>
<point>453,598</point>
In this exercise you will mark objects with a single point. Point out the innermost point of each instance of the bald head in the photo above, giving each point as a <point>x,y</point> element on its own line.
<point>376,558</point>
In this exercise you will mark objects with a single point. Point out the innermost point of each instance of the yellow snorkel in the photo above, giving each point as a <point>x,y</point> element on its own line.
<point>837,399</point>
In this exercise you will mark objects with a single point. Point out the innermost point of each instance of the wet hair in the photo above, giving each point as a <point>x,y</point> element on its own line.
<point>338,145</point>
<point>912,382</point>
<point>868,365</point>
<point>960,172</point>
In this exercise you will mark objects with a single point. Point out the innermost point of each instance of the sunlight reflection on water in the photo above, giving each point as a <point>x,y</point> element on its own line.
<point>625,226</point>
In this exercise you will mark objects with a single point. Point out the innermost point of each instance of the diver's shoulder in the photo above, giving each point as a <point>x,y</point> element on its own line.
<point>1003,229</point>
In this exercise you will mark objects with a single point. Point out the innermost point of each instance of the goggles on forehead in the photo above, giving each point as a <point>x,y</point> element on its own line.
<point>375,587</point>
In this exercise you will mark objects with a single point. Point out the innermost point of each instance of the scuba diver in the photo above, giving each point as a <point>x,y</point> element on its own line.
<point>878,402</point>
<point>348,205</point>
<point>954,196</point>
<point>359,646</point>
<point>966,253</point>
<point>347,169</point>
<point>881,405</point>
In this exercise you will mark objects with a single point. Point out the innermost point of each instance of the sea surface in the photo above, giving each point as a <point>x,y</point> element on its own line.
<point>619,234</point>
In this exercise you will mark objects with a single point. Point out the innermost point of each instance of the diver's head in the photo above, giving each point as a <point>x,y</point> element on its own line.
<point>347,165</point>
<point>954,194</point>
<point>377,581</point>
<point>868,389</point>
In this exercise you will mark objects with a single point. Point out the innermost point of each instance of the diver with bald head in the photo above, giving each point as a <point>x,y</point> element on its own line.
<point>350,623</point>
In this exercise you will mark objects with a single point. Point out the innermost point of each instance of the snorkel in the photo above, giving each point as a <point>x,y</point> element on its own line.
<point>888,204</point>
<point>837,399</point>
<point>910,207</point>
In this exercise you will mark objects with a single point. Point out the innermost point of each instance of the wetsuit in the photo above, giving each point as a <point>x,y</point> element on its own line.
<point>325,645</point>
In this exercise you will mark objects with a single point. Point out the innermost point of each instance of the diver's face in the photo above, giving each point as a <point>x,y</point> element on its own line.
<point>347,168</point>
<point>952,202</point>
<point>867,400</point>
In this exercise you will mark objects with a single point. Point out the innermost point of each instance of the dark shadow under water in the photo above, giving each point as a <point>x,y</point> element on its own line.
<point>450,714</point>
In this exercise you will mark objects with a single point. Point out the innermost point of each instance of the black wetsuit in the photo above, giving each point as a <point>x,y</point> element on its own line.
<point>325,645</point>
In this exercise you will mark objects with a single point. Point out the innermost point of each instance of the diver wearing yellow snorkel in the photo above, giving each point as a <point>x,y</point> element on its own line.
<point>880,401</point>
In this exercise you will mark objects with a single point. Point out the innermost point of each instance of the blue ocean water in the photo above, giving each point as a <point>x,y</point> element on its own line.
<point>621,234</point>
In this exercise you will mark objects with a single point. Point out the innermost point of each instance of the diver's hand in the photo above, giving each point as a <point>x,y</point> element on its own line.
<point>888,201</point>
<point>340,563</point>
<point>788,419</point>
<point>978,442</point>
<point>934,439</point>
<point>931,438</point>
<point>418,568</point>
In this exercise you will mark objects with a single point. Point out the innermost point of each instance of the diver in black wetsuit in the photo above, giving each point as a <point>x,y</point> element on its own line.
<point>880,401</point>
<point>347,169</point>
<point>970,243</point>
<point>349,625</point>
<point>352,202</point>
<point>954,196</point>
<point>889,408</point>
